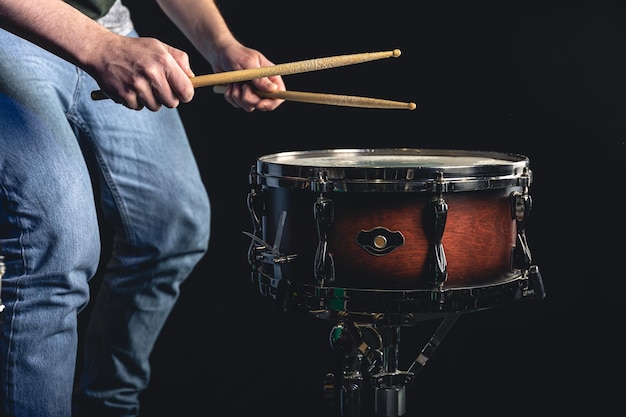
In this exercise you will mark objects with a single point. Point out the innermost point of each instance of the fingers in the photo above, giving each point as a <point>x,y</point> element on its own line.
<point>243,96</point>
<point>179,80</point>
<point>170,85</point>
<point>269,85</point>
<point>149,74</point>
<point>182,59</point>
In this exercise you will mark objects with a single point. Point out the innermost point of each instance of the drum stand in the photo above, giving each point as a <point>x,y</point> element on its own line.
<point>364,351</point>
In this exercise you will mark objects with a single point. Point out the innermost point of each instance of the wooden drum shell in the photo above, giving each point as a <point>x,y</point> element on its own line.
<point>478,239</point>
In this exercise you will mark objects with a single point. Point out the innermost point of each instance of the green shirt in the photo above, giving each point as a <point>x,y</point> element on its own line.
<point>92,8</point>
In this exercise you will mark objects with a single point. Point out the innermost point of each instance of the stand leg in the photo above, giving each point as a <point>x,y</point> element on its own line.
<point>390,383</point>
<point>433,343</point>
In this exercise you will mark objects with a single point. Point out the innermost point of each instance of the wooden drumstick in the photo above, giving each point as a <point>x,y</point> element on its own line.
<point>330,99</point>
<point>279,69</point>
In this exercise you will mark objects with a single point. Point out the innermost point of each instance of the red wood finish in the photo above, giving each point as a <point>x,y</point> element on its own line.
<point>478,237</point>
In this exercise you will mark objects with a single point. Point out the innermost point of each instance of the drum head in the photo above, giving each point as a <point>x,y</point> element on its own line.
<point>392,169</point>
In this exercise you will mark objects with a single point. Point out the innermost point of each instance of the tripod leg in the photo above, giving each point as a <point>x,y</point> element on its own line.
<point>433,343</point>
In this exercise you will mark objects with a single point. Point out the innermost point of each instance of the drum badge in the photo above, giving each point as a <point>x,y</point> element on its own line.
<point>379,241</point>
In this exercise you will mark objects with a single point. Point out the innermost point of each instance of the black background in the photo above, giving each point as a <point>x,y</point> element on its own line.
<point>542,80</point>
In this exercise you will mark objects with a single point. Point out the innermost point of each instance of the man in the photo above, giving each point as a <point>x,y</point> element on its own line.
<point>64,158</point>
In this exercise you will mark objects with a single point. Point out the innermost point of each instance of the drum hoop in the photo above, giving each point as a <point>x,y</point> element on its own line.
<point>446,185</point>
<point>277,170</point>
<point>403,305</point>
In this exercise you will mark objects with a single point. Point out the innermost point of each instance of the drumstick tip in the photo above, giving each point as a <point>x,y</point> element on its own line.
<point>396,53</point>
<point>412,106</point>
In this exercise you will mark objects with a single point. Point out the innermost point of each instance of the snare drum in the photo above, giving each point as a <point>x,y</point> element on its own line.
<point>390,229</point>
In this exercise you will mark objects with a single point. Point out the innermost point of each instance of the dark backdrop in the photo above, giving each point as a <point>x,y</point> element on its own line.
<point>542,80</point>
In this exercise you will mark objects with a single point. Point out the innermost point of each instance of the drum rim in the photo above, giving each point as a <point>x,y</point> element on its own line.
<point>512,157</point>
<point>278,170</point>
<point>405,305</point>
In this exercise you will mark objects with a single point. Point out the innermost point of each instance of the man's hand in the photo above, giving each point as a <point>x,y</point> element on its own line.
<point>144,72</point>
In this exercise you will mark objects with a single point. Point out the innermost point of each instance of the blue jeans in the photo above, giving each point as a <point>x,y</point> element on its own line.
<point>69,166</point>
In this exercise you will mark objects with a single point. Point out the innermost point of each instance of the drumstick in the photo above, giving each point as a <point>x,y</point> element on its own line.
<point>279,69</point>
<point>330,99</point>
